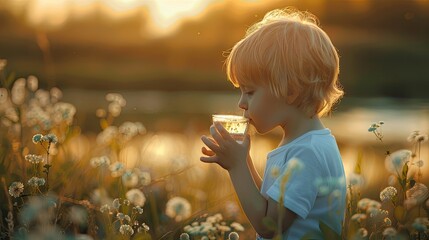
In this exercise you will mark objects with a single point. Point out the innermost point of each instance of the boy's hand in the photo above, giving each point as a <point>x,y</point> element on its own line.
<point>223,149</point>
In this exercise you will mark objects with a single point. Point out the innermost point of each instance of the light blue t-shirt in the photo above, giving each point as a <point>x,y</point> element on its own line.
<point>316,192</point>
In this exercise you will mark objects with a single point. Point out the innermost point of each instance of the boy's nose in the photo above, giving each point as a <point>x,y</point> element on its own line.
<point>242,103</point>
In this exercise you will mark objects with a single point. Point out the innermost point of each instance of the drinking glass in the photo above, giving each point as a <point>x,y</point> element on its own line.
<point>236,125</point>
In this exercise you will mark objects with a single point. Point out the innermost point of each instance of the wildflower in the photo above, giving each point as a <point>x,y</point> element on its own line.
<point>138,209</point>
<point>145,227</point>
<point>126,229</point>
<point>50,138</point>
<point>223,228</point>
<point>362,232</point>
<point>37,138</point>
<point>366,203</point>
<point>416,195</point>
<point>328,185</point>
<point>18,91</point>
<point>416,137</point>
<point>421,224</point>
<point>130,129</point>
<point>184,236</point>
<point>34,159</point>
<point>136,197</point>
<point>116,203</point>
<point>178,208</point>
<point>120,216</point>
<point>104,208</point>
<point>114,109</point>
<point>388,194</point>
<point>233,236</point>
<point>32,83</point>
<point>36,182</point>
<point>130,179</point>
<point>16,189</point>
<point>356,179</point>
<point>100,161</point>
<point>387,222</point>
<point>63,112</point>
<point>373,127</point>
<point>358,217</point>
<point>237,226</point>
<point>395,161</point>
<point>419,163</point>
<point>389,232</point>
<point>116,168</point>
<point>107,135</point>
<point>145,178</point>
<point>116,97</point>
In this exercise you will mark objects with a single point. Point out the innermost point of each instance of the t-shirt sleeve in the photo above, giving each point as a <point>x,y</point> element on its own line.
<point>300,192</point>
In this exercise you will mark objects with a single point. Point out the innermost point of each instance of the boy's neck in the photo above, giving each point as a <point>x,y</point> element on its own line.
<point>299,126</point>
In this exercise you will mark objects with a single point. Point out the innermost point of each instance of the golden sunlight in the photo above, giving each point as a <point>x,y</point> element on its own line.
<point>164,15</point>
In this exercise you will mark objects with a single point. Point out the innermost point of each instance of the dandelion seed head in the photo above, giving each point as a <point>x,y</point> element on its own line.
<point>138,209</point>
<point>105,208</point>
<point>237,226</point>
<point>116,203</point>
<point>51,138</point>
<point>145,178</point>
<point>184,236</point>
<point>388,194</point>
<point>362,232</point>
<point>36,182</point>
<point>37,138</point>
<point>389,232</point>
<point>396,160</point>
<point>178,208</point>
<point>126,229</point>
<point>422,138</point>
<point>387,222</point>
<point>16,189</point>
<point>136,197</point>
<point>233,236</point>
<point>130,179</point>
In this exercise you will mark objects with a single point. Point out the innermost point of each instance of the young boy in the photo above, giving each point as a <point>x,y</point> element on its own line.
<point>287,70</point>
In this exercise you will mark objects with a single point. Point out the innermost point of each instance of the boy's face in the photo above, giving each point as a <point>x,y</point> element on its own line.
<point>264,110</point>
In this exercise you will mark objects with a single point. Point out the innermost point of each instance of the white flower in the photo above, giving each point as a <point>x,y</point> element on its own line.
<point>36,182</point>
<point>16,189</point>
<point>18,91</point>
<point>358,217</point>
<point>362,232</point>
<point>100,161</point>
<point>138,209</point>
<point>32,83</point>
<point>107,135</point>
<point>126,229</point>
<point>117,168</point>
<point>34,159</point>
<point>104,208</point>
<point>388,194</point>
<point>396,160</point>
<point>116,203</point>
<point>389,232</point>
<point>233,236</point>
<point>51,138</point>
<point>355,179</point>
<point>37,138</point>
<point>184,236</point>
<point>178,208</point>
<point>145,178</point>
<point>237,226</point>
<point>136,197</point>
<point>387,222</point>
<point>130,179</point>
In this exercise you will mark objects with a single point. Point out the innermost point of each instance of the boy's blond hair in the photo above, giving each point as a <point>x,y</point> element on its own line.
<point>293,56</point>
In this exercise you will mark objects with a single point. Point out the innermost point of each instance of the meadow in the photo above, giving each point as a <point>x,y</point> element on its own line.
<point>127,181</point>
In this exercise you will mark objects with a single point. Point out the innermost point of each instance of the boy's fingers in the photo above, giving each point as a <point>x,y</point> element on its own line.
<point>222,131</point>
<point>208,159</point>
<point>207,152</point>
<point>210,143</point>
